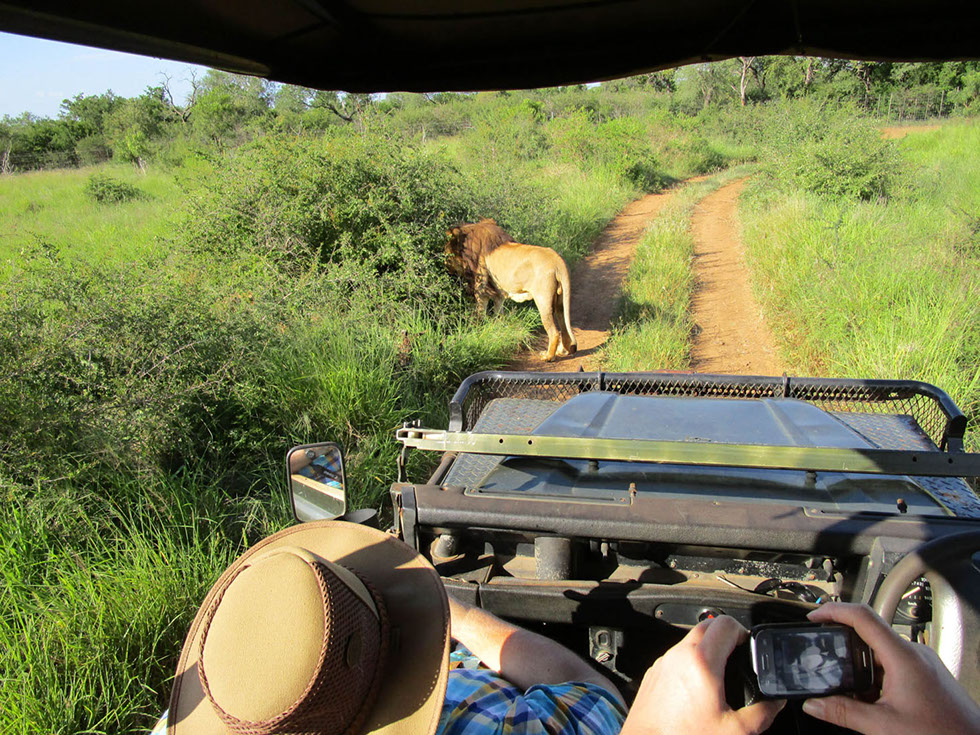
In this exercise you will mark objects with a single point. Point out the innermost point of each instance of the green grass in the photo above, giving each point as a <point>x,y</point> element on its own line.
<point>97,598</point>
<point>653,329</point>
<point>53,207</point>
<point>883,289</point>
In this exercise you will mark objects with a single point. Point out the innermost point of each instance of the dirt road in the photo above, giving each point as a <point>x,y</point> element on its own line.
<point>730,336</point>
<point>893,132</point>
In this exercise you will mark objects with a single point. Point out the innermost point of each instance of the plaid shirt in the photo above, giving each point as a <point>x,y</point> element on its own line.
<point>478,702</point>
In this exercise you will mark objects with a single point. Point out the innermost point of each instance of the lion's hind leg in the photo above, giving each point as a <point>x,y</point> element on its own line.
<point>566,342</point>
<point>545,309</point>
<point>567,345</point>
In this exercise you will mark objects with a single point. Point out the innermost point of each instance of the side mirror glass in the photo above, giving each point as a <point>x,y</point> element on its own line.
<point>315,475</point>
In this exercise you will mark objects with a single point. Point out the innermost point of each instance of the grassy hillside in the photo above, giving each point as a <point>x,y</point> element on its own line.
<point>886,287</point>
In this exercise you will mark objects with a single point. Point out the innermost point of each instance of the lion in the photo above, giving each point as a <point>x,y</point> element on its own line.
<point>494,268</point>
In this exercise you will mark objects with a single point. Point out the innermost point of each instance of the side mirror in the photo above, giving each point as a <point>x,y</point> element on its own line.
<point>315,476</point>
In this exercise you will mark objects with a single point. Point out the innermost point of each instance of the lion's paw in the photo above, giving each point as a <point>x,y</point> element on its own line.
<point>546,357</point>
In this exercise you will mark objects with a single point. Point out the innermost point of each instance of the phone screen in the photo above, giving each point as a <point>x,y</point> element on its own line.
<point>815,661</point>
<point>802,661</point>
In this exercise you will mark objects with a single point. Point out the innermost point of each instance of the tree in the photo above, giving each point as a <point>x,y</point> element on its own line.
<point>700,85</point>
<point>227,105</point>
<point>289,99</point>
<point>134,124</point>
<point>654,81</point>
<point>177,112</point>
<point>6,144</point>
<point>348,106</point>
<point>90,112</point>
<point>789,77</point>
<point>743,77</point>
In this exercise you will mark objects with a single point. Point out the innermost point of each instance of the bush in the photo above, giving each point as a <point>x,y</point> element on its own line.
<point>114,375</point>
<point>697,156</point>
<point>375,209</point>
<point>506,136</point>
<point>433,120</point>
<point>830,151</point>
<point>92,150</point>
<point>106,190</point>
<point>618,145</point>
<point>112,371</point>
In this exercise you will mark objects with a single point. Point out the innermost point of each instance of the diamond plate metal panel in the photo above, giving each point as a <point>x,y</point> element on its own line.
<point>888,431</point>
<point>500,416</point>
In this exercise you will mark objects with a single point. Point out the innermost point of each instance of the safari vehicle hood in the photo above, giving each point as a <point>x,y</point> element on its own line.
<point>840,446</point>
<point>433,45</point>
<point>772,422</point>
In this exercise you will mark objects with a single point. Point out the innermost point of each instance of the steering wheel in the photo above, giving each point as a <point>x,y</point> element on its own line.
<point>947,563</point>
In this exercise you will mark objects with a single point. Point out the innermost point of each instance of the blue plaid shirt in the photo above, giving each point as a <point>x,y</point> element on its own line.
<point>478,702</point>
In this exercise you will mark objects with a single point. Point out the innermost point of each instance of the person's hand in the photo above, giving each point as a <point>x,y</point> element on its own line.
<point>684,690</point>
<point>918,694</point>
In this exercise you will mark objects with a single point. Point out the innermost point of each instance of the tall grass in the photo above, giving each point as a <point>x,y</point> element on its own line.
<point>97,595</point>
<point>886,288</point>
<point>53,207</point>
<point>653,329</point>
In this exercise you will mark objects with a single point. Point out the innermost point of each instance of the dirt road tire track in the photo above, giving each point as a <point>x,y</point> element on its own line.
<point>730,336</point>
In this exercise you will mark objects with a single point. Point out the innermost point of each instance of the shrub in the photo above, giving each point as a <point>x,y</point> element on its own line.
<point>374,209</point>
<point>506,136</point>
<point>133,373</point>
<point>113,371</point>
<point>830,151</point>
<point>433,120</point>
<point>92,150</point>
<point>695,155</point>
<point>618,145</point>
<point>106,190</point>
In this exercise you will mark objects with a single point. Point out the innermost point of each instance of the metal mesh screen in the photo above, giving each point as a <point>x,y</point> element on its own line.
<point>920,405</point>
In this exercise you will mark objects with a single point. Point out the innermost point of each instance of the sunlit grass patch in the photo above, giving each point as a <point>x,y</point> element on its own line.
<point>654,324</point>
<point>53,207</point>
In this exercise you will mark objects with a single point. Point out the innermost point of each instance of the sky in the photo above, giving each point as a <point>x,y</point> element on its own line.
<point>36,75</point>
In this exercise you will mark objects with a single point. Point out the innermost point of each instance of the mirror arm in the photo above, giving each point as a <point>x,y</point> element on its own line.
<point>402,461</point>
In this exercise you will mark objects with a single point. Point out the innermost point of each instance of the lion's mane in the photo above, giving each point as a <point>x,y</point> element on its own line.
<point>469,245</point>
<point>475,240</point>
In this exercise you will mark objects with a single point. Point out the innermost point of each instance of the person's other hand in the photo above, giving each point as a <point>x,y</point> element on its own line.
<point>918,694</point>
<point>684,690</point>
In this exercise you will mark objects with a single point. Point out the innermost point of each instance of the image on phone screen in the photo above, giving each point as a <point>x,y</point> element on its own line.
<point>814,661</point>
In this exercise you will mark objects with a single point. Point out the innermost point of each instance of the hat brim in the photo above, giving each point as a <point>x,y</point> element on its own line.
<point>413,682</point>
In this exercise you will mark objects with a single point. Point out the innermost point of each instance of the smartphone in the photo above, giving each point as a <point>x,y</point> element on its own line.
<point>794,660</point>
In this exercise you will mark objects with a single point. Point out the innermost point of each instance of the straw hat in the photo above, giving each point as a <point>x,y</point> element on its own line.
<point>326,627</point>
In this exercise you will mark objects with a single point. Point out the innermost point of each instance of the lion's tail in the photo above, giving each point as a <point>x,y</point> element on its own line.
<point>565,282</point>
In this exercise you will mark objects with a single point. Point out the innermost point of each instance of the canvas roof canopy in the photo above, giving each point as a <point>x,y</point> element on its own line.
<point>438,45</point>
